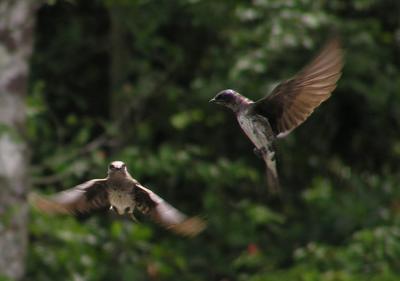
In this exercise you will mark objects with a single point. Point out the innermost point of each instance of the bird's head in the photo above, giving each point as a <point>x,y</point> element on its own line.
<point>229,98</point>
<point>117,167</point>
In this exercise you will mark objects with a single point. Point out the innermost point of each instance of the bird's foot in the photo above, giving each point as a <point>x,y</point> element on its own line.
<point>272,156</point>
<point>133,217</point>
<point>259,152</point>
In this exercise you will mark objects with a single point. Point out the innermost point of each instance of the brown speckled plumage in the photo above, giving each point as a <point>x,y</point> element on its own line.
<point>122,193</point>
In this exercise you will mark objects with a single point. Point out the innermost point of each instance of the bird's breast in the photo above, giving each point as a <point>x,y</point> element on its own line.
<point>121,200</point>
<point>255,127</point>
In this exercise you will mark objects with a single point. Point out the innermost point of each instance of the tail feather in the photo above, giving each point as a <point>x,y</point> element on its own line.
<point>273,180</point>
<point>272,174</point>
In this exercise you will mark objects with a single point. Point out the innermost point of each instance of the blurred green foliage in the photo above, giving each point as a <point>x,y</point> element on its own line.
<point>131,80</point>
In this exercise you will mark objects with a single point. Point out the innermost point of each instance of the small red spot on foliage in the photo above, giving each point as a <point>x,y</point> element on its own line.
<point>152,271</point>
<point>252,249</point>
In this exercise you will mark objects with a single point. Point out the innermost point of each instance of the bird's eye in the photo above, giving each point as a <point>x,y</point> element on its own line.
<point>123,166</point>
<point>111,167</point>
<point>219,97</point>
<point>224,97</point>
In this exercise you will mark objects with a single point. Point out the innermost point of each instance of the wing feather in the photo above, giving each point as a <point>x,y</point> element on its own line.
<point>82,198</point>
<point>293,100</point>
<point>163,213</point>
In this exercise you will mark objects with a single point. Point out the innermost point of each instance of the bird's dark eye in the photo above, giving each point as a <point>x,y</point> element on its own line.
<point>224,97</point>
<point>111,167</point>
<point>123,166</point>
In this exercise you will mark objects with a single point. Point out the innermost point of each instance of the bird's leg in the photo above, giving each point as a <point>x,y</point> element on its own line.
<point>129,211</point>
<point>259,152</point>
<point>133,217</point>
<point>271,151</point>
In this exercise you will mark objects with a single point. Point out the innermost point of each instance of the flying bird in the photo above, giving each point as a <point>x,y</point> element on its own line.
<point>287,106</point>
<point>123,194</point>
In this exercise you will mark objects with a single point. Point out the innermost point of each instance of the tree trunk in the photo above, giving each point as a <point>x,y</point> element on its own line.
<point>119,57</point>
<point>16,28</point>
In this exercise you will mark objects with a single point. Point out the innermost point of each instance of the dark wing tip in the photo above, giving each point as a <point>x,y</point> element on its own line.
<point>189,227</point>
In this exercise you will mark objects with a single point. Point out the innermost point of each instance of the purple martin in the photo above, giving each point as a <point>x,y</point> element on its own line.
<point>287,106</point>
<point>120,192</point>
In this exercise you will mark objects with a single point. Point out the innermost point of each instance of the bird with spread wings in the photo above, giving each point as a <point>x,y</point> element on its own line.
<point>119,191</point>
<point>287,106</point>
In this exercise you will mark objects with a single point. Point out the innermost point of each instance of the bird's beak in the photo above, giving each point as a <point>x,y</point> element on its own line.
<point>212,100</point>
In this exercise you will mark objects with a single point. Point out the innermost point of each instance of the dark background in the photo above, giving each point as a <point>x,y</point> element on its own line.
<point>130,80</point>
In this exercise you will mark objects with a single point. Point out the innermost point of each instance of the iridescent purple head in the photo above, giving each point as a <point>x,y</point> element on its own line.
<point>229,98</point>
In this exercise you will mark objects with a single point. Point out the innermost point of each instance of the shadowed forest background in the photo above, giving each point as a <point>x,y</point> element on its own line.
<point>131,80</point>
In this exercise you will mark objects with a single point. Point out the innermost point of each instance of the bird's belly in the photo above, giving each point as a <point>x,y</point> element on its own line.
<point>253,130</point>
<point>121,201</point>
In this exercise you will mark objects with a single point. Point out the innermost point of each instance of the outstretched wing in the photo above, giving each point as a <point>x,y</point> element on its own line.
<point>82,198</point>
<point>163,213</point>
<point>292,101</point>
